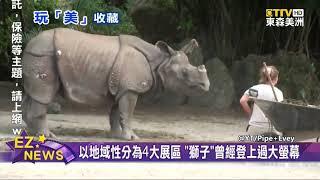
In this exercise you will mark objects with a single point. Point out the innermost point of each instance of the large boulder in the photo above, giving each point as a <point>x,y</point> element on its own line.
<point>221,93</point>
<point>245,73</point>
<point>297,78</point>
<point>155,20</point>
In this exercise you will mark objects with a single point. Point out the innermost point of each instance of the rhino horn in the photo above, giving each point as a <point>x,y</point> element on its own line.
<point>202,68</point>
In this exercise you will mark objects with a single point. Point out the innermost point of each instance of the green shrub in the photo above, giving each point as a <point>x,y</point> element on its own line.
<point>84,8</point>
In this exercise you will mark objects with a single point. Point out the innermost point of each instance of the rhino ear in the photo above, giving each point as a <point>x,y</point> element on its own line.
<point>165,48</point>
<point>189,47</point>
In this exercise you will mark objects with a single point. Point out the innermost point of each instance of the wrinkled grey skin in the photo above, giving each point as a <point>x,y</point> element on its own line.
<point>109,71</point>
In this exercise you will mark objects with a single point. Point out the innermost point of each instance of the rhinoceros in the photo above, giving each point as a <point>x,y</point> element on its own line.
<point>110,71</point>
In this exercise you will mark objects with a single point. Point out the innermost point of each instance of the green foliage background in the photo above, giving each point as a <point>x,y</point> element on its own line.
<point>228,29</point>
<point>84,7</point>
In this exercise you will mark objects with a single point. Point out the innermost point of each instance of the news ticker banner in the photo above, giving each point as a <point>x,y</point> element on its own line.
<point>26,148</point>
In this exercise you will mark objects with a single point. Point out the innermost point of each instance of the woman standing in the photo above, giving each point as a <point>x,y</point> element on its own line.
<point>259,123</point>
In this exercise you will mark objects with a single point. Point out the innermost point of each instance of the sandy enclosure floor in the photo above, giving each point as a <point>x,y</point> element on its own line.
<point>151,123</point>
<point>161,171</point>
<point>79,123</point>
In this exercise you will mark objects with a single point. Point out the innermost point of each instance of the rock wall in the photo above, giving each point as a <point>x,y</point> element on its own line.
<point>245,73</point>
<point>221,92</point>
<point>297,75</point>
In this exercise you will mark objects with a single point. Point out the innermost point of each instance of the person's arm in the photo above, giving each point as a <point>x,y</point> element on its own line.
<point>244,104</point>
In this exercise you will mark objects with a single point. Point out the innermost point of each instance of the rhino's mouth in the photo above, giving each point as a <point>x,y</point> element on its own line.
<point>200,86</point>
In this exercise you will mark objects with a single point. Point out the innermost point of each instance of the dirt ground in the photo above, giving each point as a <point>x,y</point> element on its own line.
<point>78,123</point>
<point>151,123</point>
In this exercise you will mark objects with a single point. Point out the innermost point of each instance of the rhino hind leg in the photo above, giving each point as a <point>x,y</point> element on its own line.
<point>114,117</point>
<point>41,85</point>
<point>34,115</point>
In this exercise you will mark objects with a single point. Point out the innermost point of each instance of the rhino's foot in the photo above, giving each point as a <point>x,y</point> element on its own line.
<point>129,135</point>
<point>46,133</point>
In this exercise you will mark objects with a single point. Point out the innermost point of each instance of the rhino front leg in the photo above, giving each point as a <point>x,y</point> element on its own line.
<point>127,104</point>
<point>115,122</point>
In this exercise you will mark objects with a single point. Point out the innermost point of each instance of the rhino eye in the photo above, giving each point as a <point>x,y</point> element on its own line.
<point>185,73</point>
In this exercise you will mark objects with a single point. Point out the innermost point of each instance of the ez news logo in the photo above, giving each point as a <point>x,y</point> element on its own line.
<point>284,17</point>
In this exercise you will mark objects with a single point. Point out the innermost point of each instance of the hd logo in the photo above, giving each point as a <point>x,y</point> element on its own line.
<point>284,17</point>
